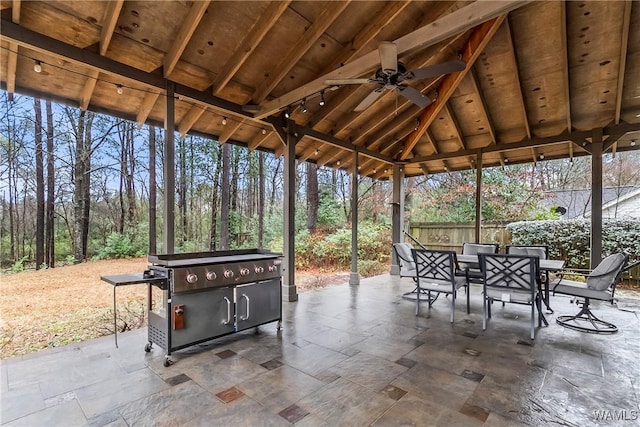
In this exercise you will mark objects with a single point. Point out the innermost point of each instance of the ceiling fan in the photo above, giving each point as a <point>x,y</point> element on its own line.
<point>392,74</point>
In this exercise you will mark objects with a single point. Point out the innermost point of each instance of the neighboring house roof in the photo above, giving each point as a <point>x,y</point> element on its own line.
<point>578,202</point>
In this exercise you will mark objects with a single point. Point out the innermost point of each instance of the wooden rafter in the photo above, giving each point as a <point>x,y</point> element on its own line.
<point>425,169</point>
<point>486,114</point>
<point>145,108</point>
<point>516,77</point>
<point>229,130</point>
<point>479,38</point>
<point>109,24</point>
<point>623,57</point>
<point>449,25</point>
<point>250,42</point>
<point>12,60</point>
<point>565,63</point>
<point>259,139</point>
<point>180,41</point>
<point>190,119</point>
<point>456,126</point>
<point>87,90</point>
<point>298,50</point>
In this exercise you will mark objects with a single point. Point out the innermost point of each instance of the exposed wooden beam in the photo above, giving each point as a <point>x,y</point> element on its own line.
<point>488,122</point>
<point>87,90</point>
<point>190,119</point>
<point>565,63</point>
<point>254,36</point>
<point>479,38</point>
<point>456,127</point>
<point>342,96</point>
<point>109,24</point>
<point>145,108</point>
<point>259,139</point>
<point>626,19</point>
<point>432,140</point>
<point>231,127</point>
<point>297,51</point>
<point>449,25</point>
<point>12,60</point>
<point>180,40</point>
<point>425,169</point>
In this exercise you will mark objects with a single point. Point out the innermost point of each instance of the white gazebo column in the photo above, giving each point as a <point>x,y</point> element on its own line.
<point>596,198</point>
<point>354,278</point>
<point>169,173</point>
<point>397,215</point>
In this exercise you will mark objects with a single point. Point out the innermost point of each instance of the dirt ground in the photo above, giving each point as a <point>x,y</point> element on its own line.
<point>54,307</point>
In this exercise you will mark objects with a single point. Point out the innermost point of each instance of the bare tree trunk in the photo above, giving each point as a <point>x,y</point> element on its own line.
<point>152,190</point>
<point>49,223</point>
<point>312,197</point>
<point>131,190</point>
<point>123,167</point>
<point>213,232</point>
<point>79,176</point>
<point>261,199</point>
<point>87,185</point>
<point>224,208</point>
<point>37,105</point>
<point>182,188</point>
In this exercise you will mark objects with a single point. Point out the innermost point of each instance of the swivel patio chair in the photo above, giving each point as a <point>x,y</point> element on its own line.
<point>600,285</point>
<point>436,274</point>
<point>511,279</point>
<point>408,269</point>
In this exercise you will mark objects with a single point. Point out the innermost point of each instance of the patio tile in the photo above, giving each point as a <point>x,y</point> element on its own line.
<point>368,371</point>
<point>312,359</point>
<point>19,402</point>
<point>388,348</point>
<point>293,413</point>
<point>68,413</point>
<point>343,403</point>
<point>241,412</point>
<point>223,374</point>
<point>280,388</point>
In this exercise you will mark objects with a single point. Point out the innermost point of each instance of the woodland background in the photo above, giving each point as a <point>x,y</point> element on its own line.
<point>77,185</point>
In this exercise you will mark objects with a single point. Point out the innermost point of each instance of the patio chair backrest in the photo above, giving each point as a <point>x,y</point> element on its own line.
<point>435,265</point>
<point>607,272</point>
<point>405,258</point>
<point>510,272</point>
<point>541,252</point>
<point>479,248</point>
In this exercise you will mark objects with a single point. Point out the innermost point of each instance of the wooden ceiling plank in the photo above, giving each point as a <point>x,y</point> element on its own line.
<point>146,106</point>
<point>483,104</point>
<point>456,126</point>
<point>425,169</point>
<point>432,140</point>
<point>565,64</point>
<point>189,25</point>
<point>190,119</point>
<point>479,38</point>
<point>229,130</point>
<point>304,43</point>
<point>109,24</point>
<point>87,90</point>
<point>254,37</point>
<point>516,77</point>
<point>447,26</point>
<point>626,20</point>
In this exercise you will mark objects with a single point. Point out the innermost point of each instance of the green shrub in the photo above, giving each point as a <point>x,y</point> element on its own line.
<point>570,239</point>
<point>120,246</point>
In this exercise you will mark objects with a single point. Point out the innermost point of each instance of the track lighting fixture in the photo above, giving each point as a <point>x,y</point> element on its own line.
<point>224,121</point>
<point>374,171</point>
<point>287,113</point>
<point>338,163</point>
<point>303,105</point>
<point>119,89</point>
<point>633,142</point>
<point>37,66</point>
<point>541,156</point>
<point>322,99</point>
<point>316,152</point>
<point>264,131</point>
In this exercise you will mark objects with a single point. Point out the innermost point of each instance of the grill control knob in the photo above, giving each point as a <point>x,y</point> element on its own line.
<point>272,268</point>
<point>244,271</point>
<point>211,275</point>
<point>192,278</point>
<point>259,269</point>
<point>228,274</point>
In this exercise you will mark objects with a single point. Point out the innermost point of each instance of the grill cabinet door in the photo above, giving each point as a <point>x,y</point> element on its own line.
<point>204,317</point>
<point>264,301</point>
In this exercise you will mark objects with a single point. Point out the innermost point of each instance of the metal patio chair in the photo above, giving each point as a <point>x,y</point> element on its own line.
<point>436,274</point>
<point>600,285</point>
<point>511,279</point>
<point>473,271</point>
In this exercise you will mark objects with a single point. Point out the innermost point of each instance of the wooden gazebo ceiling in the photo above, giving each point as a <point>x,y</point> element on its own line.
<point>542,78</point>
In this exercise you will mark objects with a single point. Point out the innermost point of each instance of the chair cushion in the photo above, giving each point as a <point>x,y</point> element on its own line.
<point>437,285</point>
<point>478,248</point>
<point>407,266</point>
<point>526,250</point>
<point>606,272</point>
<point>579,289</point>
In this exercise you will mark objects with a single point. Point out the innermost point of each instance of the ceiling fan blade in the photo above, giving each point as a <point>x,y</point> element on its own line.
<point>414,96</point>
<point>434,70</point>
<point>388,57</point>
<point>339,82</point>
<point>369,99</point>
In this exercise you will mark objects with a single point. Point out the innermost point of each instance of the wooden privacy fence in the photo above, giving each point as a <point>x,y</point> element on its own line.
<point>450,236</point>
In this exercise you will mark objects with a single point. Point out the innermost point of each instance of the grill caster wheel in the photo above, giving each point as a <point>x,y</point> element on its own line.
<point>279,326</point>
<point>167,362</point>
<point>147,347</point>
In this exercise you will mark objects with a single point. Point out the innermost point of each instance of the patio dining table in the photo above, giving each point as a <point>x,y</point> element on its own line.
<point>548,265</point>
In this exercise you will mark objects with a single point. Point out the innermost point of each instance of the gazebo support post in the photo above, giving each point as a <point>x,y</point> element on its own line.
<point>354,278</point>
<point>596,198</point>
<point>169,173</point>
<point>397,215</point>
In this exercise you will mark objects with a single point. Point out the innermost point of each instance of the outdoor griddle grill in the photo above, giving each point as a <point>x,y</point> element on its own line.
<point>196,297</point>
